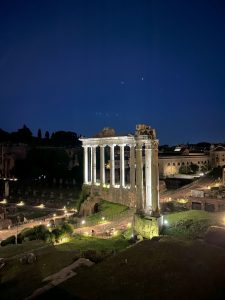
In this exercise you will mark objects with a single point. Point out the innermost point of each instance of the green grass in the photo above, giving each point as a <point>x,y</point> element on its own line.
<point>192,223</point>
<point>82,243</point>
<point>168,269</point>
<point>108,210</point>
<point>18,281</point>
<point>12,250</point>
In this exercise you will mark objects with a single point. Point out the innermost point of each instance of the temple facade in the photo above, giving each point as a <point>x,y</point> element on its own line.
<point>142,189</point>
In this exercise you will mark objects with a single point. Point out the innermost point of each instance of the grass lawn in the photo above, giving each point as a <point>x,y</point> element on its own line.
<point>110,211</point>
<point>167,269</point>
<point>192,223</point>
<point>12,250</point>
<point>81,243</point>
<point>18,281</point>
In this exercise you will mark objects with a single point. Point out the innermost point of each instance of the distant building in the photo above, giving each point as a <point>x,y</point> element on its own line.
<point>217,155</point>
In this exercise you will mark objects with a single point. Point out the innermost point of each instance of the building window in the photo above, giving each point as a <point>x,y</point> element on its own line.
<point>178,164</point>
<point>168,164</point>
<point>173,164</point>
<point>182,163</point>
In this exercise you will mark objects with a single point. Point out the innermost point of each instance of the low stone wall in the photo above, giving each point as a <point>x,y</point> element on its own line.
<point>148,227</point>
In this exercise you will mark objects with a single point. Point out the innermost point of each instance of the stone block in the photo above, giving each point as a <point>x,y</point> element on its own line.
<point>147,226</point>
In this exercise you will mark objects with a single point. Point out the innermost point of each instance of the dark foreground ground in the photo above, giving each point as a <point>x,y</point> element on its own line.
<point>165,269</point>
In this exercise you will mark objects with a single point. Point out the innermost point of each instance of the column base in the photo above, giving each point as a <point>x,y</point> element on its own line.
<point>148,226</point>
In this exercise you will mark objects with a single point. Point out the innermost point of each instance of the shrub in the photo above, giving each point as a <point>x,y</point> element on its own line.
<point>67,229</point>
<point>58,234</point>
<point>40,232</point>
<point>9,240</point>
<point>27,232</point>
<point>188,228</point>
<point>173,206</point>
<point>92,255</point>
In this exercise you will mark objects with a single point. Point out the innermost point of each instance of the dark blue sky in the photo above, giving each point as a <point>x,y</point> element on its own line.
<point>83,65</point>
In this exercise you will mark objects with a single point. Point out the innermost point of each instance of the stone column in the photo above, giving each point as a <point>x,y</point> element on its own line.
<point>148,179</point>
<point>132,167</point>
<point>139,178</point>
<point>112,166</point>
<point>85,164</point>
<point>122,167</point>
<point>93,164</point>
<point>89,164</point>
<point>102,164</point>
<point>154,177</point>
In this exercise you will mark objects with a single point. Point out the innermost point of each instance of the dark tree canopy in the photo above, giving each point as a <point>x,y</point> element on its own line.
<point>39,133</point>
<point>23,135</point>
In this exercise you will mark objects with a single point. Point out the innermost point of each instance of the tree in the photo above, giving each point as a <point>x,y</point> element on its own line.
<point>194,168</point>
<point>47,135</point>
<point>23,135</point>
<point>39,134</point>
<point>65,138</point>
<point>4,136</point>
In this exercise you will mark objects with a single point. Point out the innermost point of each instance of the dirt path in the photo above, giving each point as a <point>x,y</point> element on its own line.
<point>185,191</point>
<point>17,229</point>
<point>101,229</point>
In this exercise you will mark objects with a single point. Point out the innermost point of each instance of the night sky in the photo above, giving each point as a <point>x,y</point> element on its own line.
<point>84,65</point>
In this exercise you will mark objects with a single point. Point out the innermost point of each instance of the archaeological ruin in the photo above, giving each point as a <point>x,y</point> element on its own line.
<point>141,189</point>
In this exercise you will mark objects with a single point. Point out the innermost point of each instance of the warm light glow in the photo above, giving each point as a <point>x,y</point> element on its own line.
<point>116,232</point>
<point>103,218</point>
<point>86,233</point>
<point>21,203</point>
<point>83,222</point>
<point>48,225</point>
<point>106,185</point>
<point>63,241</point>
<point>41,205</point>
<point>54,215</point>
<point>165,222</point>
<point>182,201</point>
<point>129,225</point>
<point>4,201</point>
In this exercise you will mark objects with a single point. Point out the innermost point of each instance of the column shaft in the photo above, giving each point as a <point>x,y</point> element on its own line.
<point>112,166</point>
<point>139,178</point>
<point>85,164</point>
<point>102,165</point>
<point>155,178</point>
<point>90,165</point>
<point>93,164</point>
<point>132,167</point>
<point>122,167</point>
<point>148,180</point>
